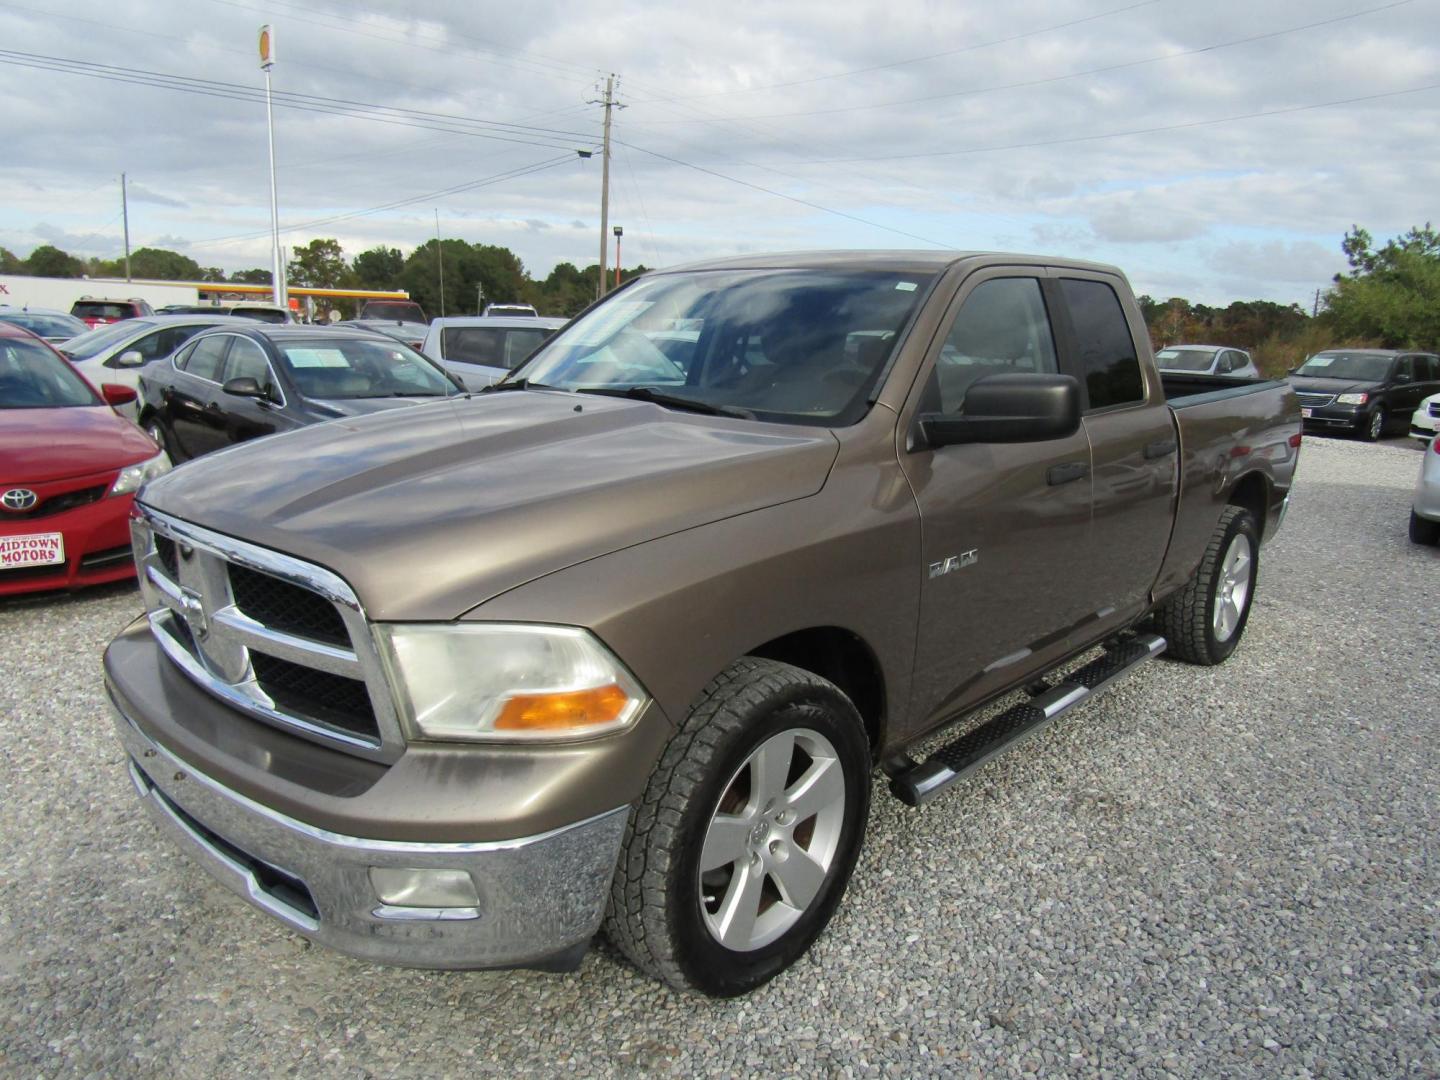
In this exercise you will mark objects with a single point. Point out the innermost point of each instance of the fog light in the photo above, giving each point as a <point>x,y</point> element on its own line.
<point>424,888</point>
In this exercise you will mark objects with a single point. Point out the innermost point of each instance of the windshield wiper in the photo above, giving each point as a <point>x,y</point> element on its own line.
<point>670,401</point>
<point>517,384</point>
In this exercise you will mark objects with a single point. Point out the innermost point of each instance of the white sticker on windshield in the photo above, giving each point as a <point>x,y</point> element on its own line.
<point>309,358</point>
<point>1320,361</point>
<point>1168,354</point>
<point>905,286</point>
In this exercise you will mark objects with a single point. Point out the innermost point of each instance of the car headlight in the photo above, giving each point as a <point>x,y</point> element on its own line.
<point>1353,399</point>
<point>504,682</point>
<point>132,476</point>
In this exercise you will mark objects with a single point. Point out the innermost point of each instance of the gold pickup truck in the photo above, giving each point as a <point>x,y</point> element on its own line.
<point>621,641</point>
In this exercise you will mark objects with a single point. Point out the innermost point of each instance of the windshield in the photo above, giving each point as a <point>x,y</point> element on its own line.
<point>101,338</point>
<point>1364,367</point>
<point>795,346</point>
<point>33,377</point>
<point>1185,359</point>
<point>353,368</point>
<point>47,326</point>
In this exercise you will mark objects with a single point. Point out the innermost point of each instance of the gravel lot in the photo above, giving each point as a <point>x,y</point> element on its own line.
<point>1218,872</point>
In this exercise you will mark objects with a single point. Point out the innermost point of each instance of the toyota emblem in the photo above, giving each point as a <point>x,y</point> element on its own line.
<point>19,499</point>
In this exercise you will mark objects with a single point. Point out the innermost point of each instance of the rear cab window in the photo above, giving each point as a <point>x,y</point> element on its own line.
<point>1109,365</point>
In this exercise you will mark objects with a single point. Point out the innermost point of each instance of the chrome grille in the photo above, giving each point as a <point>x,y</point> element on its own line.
<point>280,639</point>
<point>1315,401</point>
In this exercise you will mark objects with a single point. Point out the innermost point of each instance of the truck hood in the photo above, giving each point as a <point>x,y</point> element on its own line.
<point>430,511</point>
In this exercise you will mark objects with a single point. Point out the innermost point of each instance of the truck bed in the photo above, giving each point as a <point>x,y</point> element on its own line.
<point>1187,391</point>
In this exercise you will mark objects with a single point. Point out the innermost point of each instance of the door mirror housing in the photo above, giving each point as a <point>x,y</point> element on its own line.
<point>1006,409</point>
<point>130,358</point>
<point>115,394</point>
<point>244,386</point>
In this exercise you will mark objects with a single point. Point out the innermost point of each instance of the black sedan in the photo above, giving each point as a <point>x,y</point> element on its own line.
<point>1363,391</point>
<point>237,383</point>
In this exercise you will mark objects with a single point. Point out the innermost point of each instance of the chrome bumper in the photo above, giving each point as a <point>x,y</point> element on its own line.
<point>541,898</point>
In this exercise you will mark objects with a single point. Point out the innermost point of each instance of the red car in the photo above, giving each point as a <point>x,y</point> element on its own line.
<point>69,469</point>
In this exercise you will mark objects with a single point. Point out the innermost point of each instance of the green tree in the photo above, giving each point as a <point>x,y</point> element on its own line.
<point>257,276</point>
<point>49,261</point>
<point>162,265</point>
<point>378,268</point>
<point>10,263</point>
<point>1393,295</point>
<point>320,263</point>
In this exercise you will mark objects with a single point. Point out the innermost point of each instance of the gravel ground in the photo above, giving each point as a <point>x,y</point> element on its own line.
<point>1208,872</point>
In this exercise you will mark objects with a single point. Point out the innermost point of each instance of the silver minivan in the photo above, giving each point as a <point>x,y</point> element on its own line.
<point>481,350</point>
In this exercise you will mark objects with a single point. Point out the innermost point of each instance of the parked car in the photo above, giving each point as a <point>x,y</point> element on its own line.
<point>240,309</point>
<point>116,353</point>
<point>482,349</point>
<point>93,311</point>
<point>69,469</point>
<point>1426,419</point>
<point>1363,391</point>
<point>238,383</point>
<point>623,640</point>
<point>1425,509</point>
<point>509,309</point>
<point>1207,360</point>
<point>411,333</point>
<point>53,326</point>
<point>393,311</point>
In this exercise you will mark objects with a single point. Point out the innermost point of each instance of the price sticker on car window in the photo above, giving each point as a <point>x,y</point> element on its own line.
<point>317,358</point>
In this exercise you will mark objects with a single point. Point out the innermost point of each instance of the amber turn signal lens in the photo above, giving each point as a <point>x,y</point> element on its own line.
<point>573,709</point>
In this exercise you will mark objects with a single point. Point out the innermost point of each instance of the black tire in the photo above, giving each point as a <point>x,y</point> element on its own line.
<point>1423,531</point>
<point>1187,618</point>
<point>655,916</point>
<point>1374,425</point>
<point>156,430</point>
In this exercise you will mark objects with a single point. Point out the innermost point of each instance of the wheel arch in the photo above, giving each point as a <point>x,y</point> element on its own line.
<point>843,658</point>
<point>1252,492</point>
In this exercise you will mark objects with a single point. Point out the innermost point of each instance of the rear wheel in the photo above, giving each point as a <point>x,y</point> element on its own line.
<point>1204,621</point>
<point>1424,531</point>
<point>738,853</point>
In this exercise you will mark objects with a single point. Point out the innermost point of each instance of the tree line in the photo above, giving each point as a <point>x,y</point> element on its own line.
<point>1389,299</point>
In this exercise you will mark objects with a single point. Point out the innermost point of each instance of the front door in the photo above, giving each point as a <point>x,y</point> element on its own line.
<point>1004,527</point>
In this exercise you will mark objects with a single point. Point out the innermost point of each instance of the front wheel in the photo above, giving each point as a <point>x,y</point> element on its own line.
<point>1375,426</point>
<point>1204,621</point>
<point>1423,531</point>
<point>742,845</point>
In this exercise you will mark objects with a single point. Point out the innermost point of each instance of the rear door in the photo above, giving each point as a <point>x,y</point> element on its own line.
<point>1408,387</point>
<point>189,403</point>
<point>1003,526</point>
<point>1134,449</point>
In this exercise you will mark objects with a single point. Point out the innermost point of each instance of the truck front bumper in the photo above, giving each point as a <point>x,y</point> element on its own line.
<point>530,902</point>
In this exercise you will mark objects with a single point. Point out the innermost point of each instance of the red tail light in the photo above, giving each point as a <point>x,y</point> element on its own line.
<point>1295,440</point>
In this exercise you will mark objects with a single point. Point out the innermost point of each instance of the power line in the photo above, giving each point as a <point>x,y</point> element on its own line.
<point>1132,131</point>
<point>780,194</point>
<point>915,59</point>
<point>494,130</point>
<point>1027,83</point>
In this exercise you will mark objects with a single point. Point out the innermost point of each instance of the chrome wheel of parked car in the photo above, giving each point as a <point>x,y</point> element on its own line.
<point>1376,426</point>
<point>738,852</point>
<point>771,839</point>
<point>1233,593</point>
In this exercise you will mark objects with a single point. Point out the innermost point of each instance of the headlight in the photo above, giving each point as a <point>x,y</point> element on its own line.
<point>487,682</point>
<point>132,476</point>
<point>1353,399</point>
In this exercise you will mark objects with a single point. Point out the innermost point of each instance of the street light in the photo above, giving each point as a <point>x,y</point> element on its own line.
<point>619,232</point>
<point>277,267</point>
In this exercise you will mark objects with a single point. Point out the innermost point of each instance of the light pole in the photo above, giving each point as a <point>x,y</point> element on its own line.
<point>619,232</point>
<point>277,267</point>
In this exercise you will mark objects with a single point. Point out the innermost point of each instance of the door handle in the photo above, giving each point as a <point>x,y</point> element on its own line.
<point>1063,474</point>
<point>1160,448</point>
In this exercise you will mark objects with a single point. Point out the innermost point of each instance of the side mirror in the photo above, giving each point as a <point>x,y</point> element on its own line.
<point>115,394</point>
<point>1401,377</point>
<point>244,386</point>
<point>130,358</point>
<point>1006,409</point>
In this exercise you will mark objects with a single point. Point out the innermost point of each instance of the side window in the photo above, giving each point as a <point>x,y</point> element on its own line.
<point>1405,368</point>
<point>207,357</point>
<point>1430,367</point>
<point>1226,363</point>
<point>1108,363</point>
<point>1001,328</point>
<point>177,336</point>
<point>247,361</point>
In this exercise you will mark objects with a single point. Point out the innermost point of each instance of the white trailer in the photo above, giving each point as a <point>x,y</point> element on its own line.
<point>20,290</point>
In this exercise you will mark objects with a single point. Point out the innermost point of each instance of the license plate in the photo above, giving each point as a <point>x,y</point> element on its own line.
<point>1305,414</point>
<point>32,549</point>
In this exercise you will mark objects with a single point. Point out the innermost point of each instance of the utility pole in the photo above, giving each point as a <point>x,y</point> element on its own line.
<point>479,297</point>
<point>277,265</point>
<point>609,102</point>
<point>125,214</point>
<point>439,262</point>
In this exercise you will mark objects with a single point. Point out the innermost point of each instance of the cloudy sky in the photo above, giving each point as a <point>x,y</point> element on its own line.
<point>1217,151</point>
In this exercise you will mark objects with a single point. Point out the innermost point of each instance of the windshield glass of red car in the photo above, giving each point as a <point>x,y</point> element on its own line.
<point>33,377</point>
